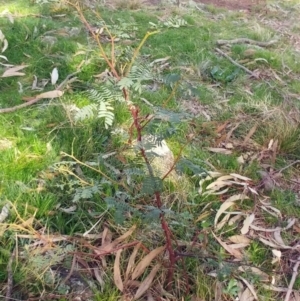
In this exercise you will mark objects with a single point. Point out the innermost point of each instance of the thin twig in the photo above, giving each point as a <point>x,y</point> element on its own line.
<point>288,166</point>
<point>293,279</point>
<point>71,270</point>
<point>246,41</point>
<point>236,63</point>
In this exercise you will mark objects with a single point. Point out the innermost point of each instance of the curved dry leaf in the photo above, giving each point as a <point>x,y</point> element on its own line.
<point>131,260</point>
<point>273,245</point>
<point>237,176</point>
<point>277,255</point>
<point>291,222</point>
<point>274,211</point>
<point>240,239</point>
<point>117,272</point>
<point>278,238</point>
<point>5,45</point>
<point>50,94</point>
<point>99,277</point>
<point>14,71</point>
<point>237,254</point>
<point>4,213</point>
<point>248,269</point>
<point>224,220</point>
<point>217,185</point>
<point>237,197</point>
<point>238,246</point>
<point>5,58</point>
<point>221,210</point>
<point>225,178</point>
<point>264,229</point>
<point>247,222</point>
<point>247,295</point>
<point>203,216</point>
<point>250,287</point>
<point>107,248</point>
<point>54,76</point>
<point>210,192</point>
<point>219,150</point>
<point>145,262</point>
<point>275,288</point>
<point>234,219</point>
<point>145,285</point>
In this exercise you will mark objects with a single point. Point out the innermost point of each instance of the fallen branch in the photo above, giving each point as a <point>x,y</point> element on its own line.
<point>30,102</point>
<point>293,279</point>
<point>236,63</point>
<point>246,41</point>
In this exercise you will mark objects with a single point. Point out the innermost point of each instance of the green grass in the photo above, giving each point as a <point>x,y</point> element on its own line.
<point>68,199</point>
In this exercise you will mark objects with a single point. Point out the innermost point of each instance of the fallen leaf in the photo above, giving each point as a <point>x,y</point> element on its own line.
<point>54,76</point>
<point>5,45</point>
<point>117,272</point>
<point>248,269</point>
<point>238,246</point>
<point>69,210</point>
<point>108,247</point>
<point>247,295</point>
<point>237,254</point>
<point>239,239</point>
<point>4,213</point>
<point>277,255</point>
<point>264,229</point>
<point>222,223</point>
<point>131,261</point>
<point>145,285</point>
<point>234,219</point>
<point>237,176</point>
<point>250,134</point>
<point>99,277</point>
<point>219,150</point>
<point>273,245</point>
<point>250,287</point>
<point>221,210</point>
<point>50,94</point>
<point>14,71</point>
<point>237,197</point>
<point>247,222</point>
<point>145,262</point>
<point>5,58</point>
<point>278,238</point>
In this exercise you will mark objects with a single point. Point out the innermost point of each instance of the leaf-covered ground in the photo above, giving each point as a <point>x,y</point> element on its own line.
<point>149,152</point>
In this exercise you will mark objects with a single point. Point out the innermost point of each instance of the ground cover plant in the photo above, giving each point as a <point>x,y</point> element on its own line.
<point>150,151</point>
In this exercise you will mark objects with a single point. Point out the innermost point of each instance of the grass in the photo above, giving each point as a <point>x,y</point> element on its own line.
<point>70,200</point>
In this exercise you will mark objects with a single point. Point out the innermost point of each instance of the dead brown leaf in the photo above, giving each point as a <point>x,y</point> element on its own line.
<point>145,262</point>
<point>145,285</point>
<point>50,94</point>
<point>117,272</point>
<point>131,260</point>
<point>14,71</point>
<point>234,252</point>
<point>250,134</point>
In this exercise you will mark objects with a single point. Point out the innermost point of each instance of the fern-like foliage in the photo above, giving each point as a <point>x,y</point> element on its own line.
<point>136,76</point>
<point>102,106</point>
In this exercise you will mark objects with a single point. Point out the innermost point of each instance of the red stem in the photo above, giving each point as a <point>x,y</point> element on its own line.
<point>164,224</point>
